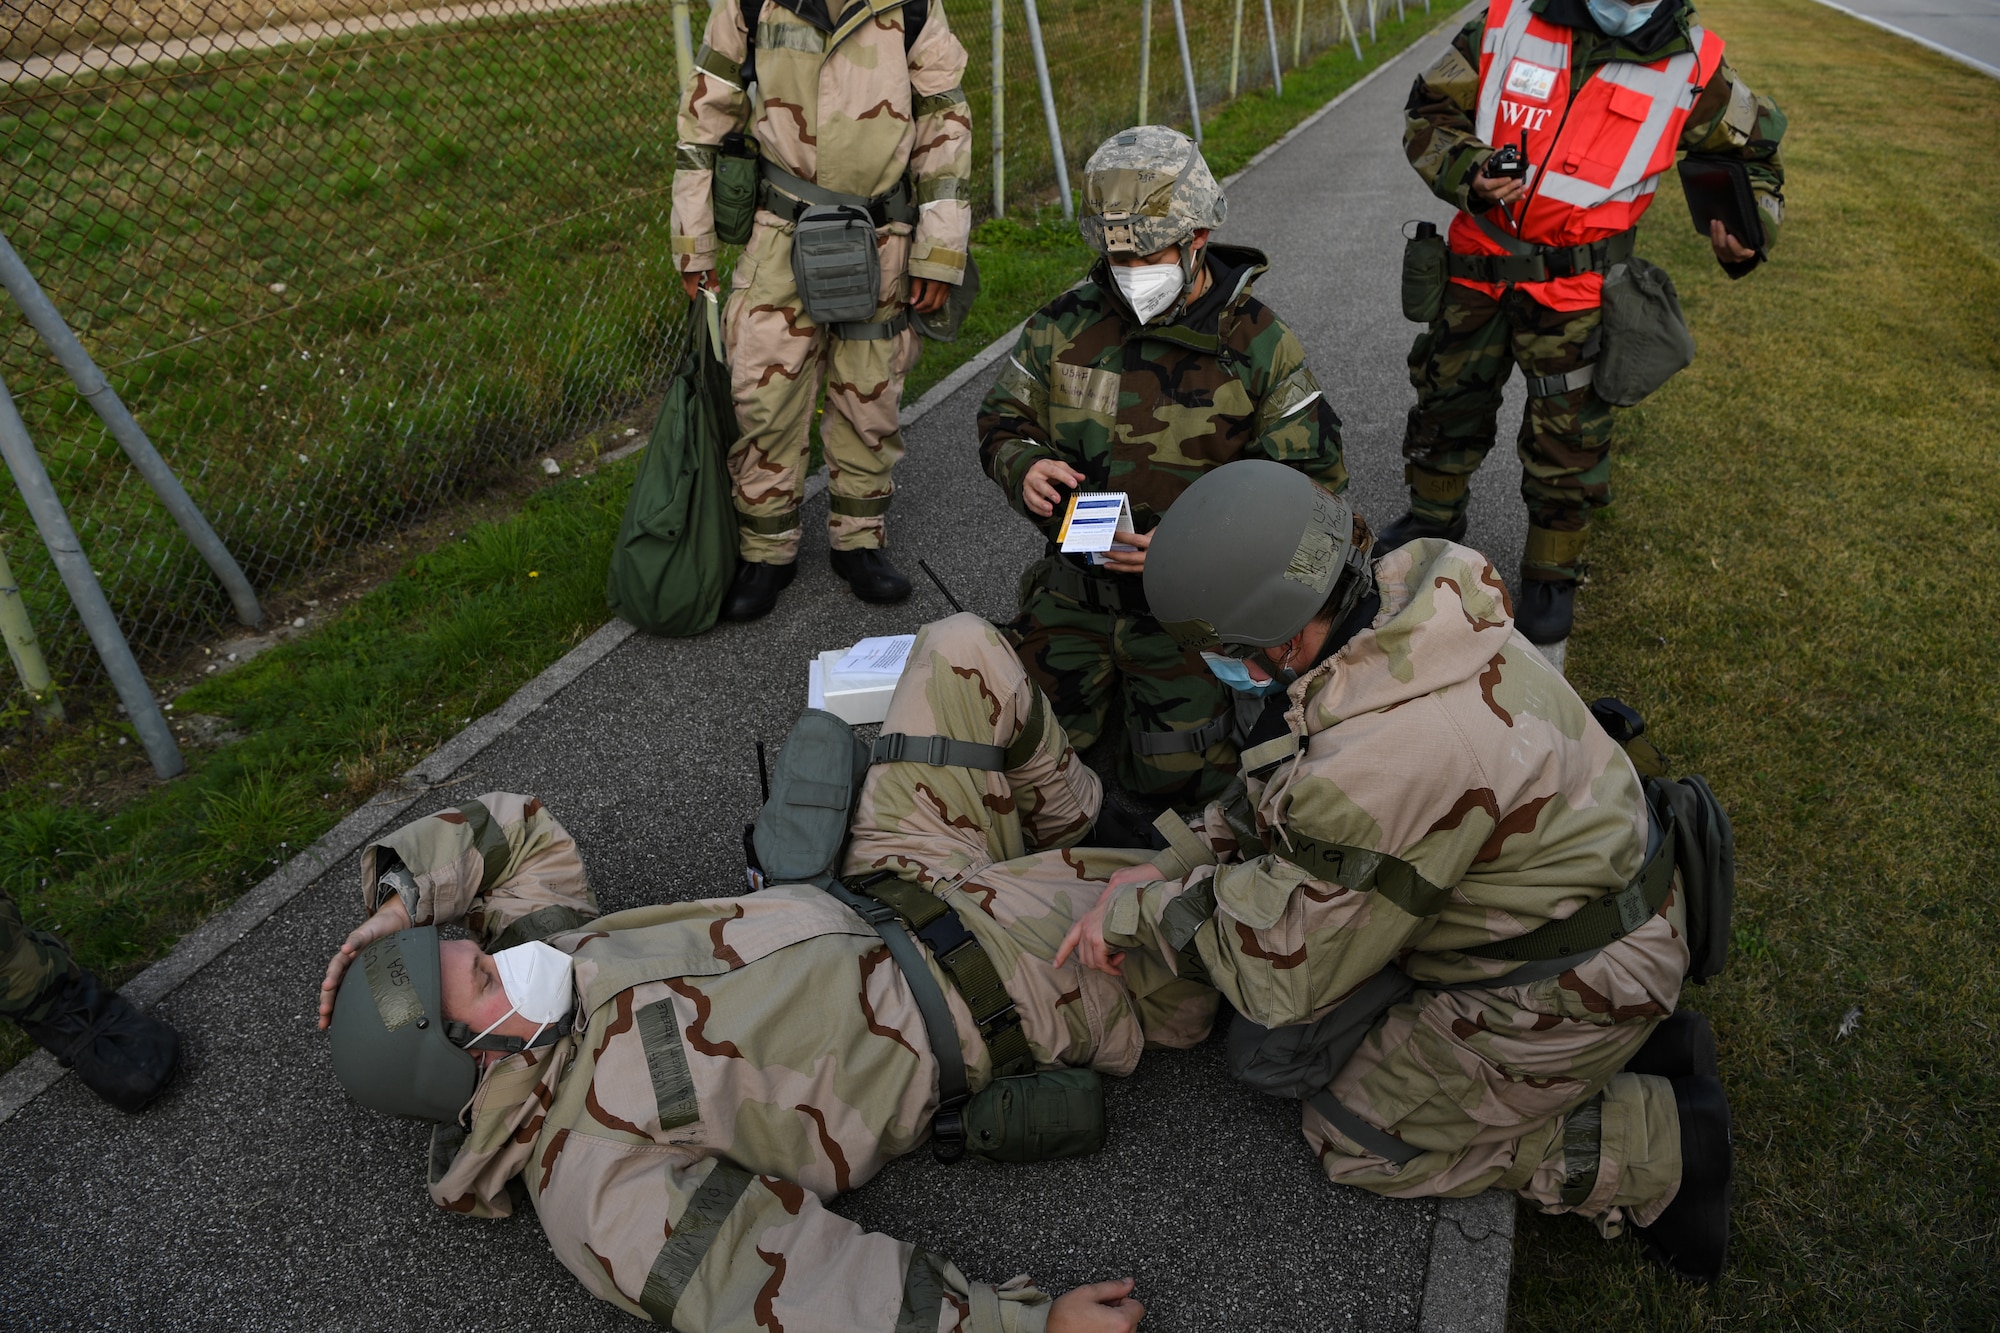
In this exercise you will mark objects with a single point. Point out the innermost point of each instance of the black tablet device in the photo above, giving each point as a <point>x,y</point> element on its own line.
<point>1719,187</point>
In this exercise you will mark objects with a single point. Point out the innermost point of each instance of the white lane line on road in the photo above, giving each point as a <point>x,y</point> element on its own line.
<point>132,55</point>
<point>1990,71</point>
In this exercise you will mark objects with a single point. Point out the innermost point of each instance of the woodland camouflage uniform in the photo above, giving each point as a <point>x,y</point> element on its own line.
<point>737,1061</point>
<point>1461,362</point>
<point>1471,798</point>
<point>1145,410</point>
<point>843,105</point>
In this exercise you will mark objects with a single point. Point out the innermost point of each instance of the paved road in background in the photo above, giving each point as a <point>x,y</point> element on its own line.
<point>257,1196</point>
<point>1970,28</point>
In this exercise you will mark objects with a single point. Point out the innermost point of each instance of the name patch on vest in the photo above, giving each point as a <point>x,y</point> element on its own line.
<point>1535,82</point>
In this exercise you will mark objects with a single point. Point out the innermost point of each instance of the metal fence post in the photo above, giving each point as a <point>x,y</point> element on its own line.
<point>1371,22</point>
<point>999,108</point>
<point>1235,46</point>
<point>1299,32</point>
<point>1353,33</point>
<point>96,391</point>
<point>1187,69</point>
<point>1271,40</point>
<point>84,593</point>
<point>1049,107</point>
<point>1145,56</point>
<point>684,45</point>
<point>19,632</point>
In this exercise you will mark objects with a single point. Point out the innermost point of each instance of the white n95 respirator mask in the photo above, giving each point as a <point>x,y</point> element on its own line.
<point>536,977</point>
<point>1150,289</point>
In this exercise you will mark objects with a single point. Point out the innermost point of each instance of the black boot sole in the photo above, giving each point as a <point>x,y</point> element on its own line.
<point>746,601</point>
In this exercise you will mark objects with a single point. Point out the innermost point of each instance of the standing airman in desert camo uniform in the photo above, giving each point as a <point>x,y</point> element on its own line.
<point>721,1067</point>
<point>861,105</point>
<point>1424,792</point>
<point>1157,368</point>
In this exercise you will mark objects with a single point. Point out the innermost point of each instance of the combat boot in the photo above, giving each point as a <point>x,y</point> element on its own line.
<point>1412,526</point>
<point>1691,1238</point>
<point>1551,563</point>
<point>1547,610</point>
<point>124,1056</point>
<point>870,574</point>
<point>756,589</point>
<point>1682,1045</point>
<point>1430,491</point>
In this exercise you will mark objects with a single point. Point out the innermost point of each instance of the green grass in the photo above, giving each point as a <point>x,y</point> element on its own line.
<point>330,717</point>
<point>1796,587</point>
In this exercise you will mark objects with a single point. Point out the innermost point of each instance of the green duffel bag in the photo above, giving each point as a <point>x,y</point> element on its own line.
<point>675,553</point>
<point>1646,338</point>
<point>1037,1117</point>
<point>732,191</point>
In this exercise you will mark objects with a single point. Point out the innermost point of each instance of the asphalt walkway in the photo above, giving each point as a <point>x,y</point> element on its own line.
<point>1966,30</point>
<point>257,1196</point>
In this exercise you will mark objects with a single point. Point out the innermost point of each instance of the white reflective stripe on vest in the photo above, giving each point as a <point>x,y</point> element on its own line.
<point>1506,42</point>
<point>1673,92</point>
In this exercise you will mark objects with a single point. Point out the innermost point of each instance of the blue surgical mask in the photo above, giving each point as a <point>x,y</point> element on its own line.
<point>1237,676</point>
<point>1619,19</point>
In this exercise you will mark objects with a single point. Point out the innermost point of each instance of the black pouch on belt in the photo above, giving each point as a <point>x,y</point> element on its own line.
<point>1037,1117</point>
<point>733,188</point>
<point>1425,257</point>
<point>835,265</point>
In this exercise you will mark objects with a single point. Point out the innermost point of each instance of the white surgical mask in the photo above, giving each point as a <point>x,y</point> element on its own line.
<point>1620,19</point>
<point>1149,288</point>
<point>536,977</point>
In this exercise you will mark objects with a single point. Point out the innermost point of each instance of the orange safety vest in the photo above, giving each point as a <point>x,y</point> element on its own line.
<point>1595,160</point>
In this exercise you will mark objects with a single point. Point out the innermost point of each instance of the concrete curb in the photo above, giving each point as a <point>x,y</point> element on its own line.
<point>1989,71</point>
<point>201,946</point>
<point>1472,1256</point>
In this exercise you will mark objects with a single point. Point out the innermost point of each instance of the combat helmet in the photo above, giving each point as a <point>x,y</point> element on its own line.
<point>1250,553</point>
<point>391,1048</point>
<point>1145,189</point>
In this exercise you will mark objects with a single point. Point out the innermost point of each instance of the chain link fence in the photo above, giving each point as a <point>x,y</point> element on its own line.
<point>348,259</point>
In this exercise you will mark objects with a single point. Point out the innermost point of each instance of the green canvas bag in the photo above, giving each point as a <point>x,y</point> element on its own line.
<point>675,553</point>
<point>1646,338</point>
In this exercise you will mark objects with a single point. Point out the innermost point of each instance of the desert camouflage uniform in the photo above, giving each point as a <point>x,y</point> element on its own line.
<point>1146,411</point>
<point>843,105</point>
<point>1461,362</point>
<point>1472,799</point>
<point>32,962</point>
<point>740,1060</point>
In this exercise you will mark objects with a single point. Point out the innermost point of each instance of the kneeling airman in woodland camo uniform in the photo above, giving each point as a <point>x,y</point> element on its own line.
<point>1159,367</point>
<point>1422,798</point>
<point>679,1087</point>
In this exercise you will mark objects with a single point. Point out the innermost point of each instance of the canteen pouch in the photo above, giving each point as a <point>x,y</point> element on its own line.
<point>835,265</point>
<point>1037,1117</point>
<point>1705,855</point>
<point>801,833</point>
<point>733,187</point>
<point>1426,258</point>
<point>1646,339</point>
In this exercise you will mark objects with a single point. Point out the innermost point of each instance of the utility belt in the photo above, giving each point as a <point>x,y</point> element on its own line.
<point>1116,594</point>
<point>1024,1114</point>
<point>789,196</point>
<point>1124,595</point>
<point>1526,262</point>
